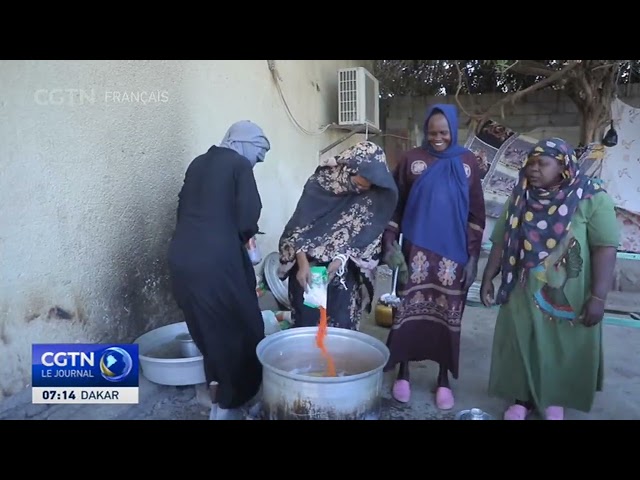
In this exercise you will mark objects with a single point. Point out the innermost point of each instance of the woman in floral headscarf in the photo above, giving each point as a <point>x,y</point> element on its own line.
<point>338,223</point>
<point>555,246</point>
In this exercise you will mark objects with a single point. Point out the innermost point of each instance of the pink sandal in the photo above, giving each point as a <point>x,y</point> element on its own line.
<point>554,413</point>
<point>401,391</point>
<point>444,398</point>
<point>516,412</point>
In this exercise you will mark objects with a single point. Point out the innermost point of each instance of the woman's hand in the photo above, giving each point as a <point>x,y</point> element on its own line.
<point>333,268</point>
<point>491,270</point>
<point>603,263</point>
<point>469,273</point>
<point>593,312</point>
<point>304,271</point>
<point>487,293</point>
<point>392,255</point>
<point>394,258</point>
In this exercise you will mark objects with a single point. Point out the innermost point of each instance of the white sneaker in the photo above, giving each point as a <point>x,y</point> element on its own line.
<point>218,413</point>
<point>255,412</point>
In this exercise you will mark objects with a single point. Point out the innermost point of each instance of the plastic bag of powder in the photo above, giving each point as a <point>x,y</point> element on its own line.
<point>316,295</point>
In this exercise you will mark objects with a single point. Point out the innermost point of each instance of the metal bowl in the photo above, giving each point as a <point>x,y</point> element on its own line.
<point>188,347</point>
<point>473,414</point>
<point>161,361</point>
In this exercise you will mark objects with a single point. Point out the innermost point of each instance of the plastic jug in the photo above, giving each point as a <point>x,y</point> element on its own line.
<point>271,324</point>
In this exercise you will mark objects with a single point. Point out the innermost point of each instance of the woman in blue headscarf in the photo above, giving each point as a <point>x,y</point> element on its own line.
<point>441,215</point>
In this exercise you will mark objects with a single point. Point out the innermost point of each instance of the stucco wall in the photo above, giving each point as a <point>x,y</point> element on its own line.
<point>93,155</point>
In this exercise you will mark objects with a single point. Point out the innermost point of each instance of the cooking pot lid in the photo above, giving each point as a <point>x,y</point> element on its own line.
<point>279,288</point>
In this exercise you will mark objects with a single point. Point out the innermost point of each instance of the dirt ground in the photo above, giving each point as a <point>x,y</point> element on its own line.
<point>619,401</point>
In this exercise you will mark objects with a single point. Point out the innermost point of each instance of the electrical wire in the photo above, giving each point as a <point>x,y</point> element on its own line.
<point>277,79</point>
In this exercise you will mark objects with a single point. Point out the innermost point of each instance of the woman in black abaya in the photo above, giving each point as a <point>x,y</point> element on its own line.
<point>212,276</point>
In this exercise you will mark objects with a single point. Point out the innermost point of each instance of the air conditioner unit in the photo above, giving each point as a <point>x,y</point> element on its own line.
<point>358,98</point>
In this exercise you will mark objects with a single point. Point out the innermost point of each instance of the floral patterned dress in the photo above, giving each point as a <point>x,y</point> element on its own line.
<point>427,324</point>
<point>335,220</point>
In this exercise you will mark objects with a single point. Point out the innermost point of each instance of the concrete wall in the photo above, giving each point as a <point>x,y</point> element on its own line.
<point>93,155</point>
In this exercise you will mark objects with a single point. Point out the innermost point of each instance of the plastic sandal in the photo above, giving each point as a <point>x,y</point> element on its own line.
<point>516,412</point>
<point>554,413</point>
<point>401,391</point>
<point>444,398</point>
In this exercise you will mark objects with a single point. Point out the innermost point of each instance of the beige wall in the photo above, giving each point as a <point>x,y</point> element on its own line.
<point>93,155</point>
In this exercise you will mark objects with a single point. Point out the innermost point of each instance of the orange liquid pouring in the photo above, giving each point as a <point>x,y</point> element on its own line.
<point>322,333</point>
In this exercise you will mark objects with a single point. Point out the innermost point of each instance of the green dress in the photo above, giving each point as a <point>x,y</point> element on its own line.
<point>554,362</point>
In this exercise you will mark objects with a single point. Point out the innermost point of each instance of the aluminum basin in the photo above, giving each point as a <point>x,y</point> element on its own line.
<point>289,392</point>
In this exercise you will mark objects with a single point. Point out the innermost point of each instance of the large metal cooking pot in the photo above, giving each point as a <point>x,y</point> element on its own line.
<point>292,389</point>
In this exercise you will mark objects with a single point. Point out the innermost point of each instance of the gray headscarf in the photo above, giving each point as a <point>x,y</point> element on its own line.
<point>248,139</point>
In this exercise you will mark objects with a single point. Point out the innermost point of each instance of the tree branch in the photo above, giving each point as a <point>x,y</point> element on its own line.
<point>514,97</point>
<point>606,65</point>
<point>457,95</point>
<point>530,67</point>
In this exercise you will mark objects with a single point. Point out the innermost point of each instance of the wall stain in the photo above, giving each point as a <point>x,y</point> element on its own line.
<point>35,307</point>
<point>80,314</point>
<point>143,300</point>
<point>141,297</point>
<point>3,335</point>
<point>59,313</point>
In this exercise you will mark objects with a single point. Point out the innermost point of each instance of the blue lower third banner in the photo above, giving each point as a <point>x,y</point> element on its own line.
<point>79,373</point>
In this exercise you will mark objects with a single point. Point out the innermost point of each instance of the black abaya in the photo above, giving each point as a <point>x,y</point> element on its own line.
<point>212,276</point>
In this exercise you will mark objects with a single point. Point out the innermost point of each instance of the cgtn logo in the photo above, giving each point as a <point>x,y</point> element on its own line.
<point>115,364</point>
<point>96,373</point>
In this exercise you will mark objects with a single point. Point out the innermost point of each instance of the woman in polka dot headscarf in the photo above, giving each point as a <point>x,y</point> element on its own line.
<point>555,247</point>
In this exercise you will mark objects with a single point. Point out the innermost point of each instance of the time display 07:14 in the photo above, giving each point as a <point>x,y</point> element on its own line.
<point>58,395</point>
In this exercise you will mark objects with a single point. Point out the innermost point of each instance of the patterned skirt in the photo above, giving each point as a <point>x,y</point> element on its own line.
<point>427,324</point>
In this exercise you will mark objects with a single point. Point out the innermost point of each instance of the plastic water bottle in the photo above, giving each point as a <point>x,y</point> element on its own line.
<point>473,414</point>
<point>254,251</point>
<point>271,324</point>
<point>476,414</point>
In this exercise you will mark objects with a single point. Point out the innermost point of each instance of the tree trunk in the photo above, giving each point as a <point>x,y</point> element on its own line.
<point>590,84</point>
<point>592,88</point>
<point>590,129</point>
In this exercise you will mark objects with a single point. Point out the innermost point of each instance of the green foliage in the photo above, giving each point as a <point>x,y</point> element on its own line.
<point>446,77</point>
